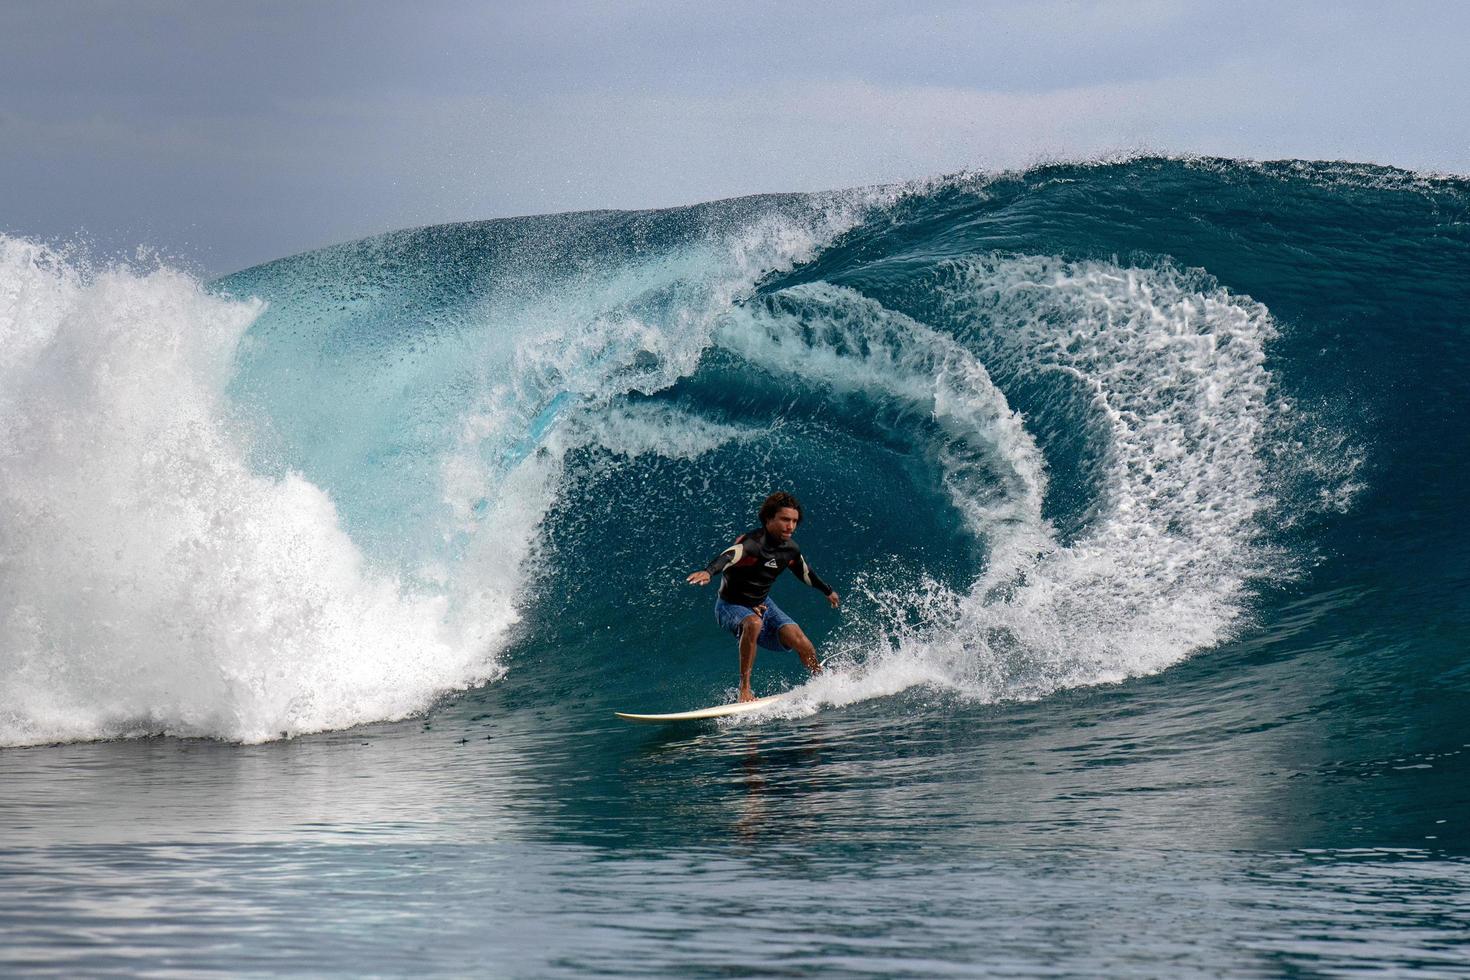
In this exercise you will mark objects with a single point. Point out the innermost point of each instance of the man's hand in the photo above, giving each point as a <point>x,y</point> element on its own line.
<point>698,578</point>
<point>832,599</point>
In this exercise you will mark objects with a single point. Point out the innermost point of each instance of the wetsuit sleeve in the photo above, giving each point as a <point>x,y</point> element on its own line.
<point>725,558</point>
<point>804,572</point>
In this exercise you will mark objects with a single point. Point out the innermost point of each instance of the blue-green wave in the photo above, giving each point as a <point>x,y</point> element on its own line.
<point>1052,429</point>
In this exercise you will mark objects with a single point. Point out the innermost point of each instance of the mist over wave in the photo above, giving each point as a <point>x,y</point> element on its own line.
<point>1053,429</point>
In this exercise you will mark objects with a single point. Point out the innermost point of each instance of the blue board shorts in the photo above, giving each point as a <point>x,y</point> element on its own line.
<point>730,616</point>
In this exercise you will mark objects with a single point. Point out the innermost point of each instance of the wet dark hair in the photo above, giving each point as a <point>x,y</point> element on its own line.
<point>778,500</point>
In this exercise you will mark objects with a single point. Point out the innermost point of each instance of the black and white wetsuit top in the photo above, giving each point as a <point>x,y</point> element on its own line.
<point>752,563</point>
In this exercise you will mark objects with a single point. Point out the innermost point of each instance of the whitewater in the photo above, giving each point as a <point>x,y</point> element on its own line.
<point>1138,479</point>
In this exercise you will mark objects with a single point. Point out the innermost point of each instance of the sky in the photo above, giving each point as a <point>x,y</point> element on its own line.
<point>223,134</point>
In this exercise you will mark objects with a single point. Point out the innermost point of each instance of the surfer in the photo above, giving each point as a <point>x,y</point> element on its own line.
<point>743,605</point>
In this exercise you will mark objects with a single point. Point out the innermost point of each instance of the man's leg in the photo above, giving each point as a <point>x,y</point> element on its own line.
<point>750,629</point>
<point>795,639</point>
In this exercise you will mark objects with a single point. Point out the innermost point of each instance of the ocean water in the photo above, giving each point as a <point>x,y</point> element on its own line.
<point>1141,482</point>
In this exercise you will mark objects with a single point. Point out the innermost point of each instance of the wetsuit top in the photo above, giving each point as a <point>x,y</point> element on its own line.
<point>752,563</point>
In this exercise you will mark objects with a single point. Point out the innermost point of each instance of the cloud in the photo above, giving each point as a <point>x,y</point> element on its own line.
<point>266,130</point>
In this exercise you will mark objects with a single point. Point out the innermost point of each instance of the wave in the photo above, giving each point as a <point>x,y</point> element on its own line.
<point>1054,429</point>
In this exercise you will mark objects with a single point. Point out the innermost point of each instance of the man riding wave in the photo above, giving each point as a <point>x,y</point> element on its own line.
<point>743,605</point>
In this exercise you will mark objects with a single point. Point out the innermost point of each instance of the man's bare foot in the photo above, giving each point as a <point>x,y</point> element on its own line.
<point>746,694</point>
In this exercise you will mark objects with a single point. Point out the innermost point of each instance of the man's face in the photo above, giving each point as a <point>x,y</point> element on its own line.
<point>783,523</point>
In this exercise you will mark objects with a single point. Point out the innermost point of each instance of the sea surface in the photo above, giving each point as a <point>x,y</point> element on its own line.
<point>1142,482</point>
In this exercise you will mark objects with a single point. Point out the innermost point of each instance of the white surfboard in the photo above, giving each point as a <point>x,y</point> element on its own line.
<point>703,714</point>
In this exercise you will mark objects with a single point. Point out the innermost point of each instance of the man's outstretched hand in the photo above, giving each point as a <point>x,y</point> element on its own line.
<point>698,578</point>
<point>832,600</point>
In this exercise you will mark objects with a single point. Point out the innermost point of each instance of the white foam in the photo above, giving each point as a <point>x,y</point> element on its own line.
<point>654,429</point>
<point>1176,369</point>
<point>149,581</point>
<point>992,470</point>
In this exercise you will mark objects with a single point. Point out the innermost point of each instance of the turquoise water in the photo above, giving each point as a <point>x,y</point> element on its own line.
<point>1137,480</point>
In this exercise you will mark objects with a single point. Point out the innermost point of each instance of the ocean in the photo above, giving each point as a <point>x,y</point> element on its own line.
<point>320,584</point>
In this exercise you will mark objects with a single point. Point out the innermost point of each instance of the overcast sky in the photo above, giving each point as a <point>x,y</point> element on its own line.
<point>229,133</point>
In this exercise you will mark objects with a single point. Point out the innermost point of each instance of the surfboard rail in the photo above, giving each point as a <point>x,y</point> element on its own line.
<point>702,714</point>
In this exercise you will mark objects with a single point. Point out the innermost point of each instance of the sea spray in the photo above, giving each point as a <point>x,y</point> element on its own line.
<point>150,581</point>
<point>1174,368</point>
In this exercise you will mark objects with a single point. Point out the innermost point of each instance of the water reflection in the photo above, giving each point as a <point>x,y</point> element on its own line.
<point>1116,829</point>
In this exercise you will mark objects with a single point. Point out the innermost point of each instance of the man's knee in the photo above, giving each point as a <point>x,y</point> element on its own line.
<point>794,638</point>
<point>751,625</point>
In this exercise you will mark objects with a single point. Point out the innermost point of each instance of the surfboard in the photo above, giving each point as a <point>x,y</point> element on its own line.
<point>702,714</point>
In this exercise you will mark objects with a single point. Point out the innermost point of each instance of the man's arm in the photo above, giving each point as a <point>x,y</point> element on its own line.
<point>721,562</point>
<point>804,572</point>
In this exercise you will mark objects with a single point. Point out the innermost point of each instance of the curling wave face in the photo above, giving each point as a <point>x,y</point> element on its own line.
<point>1167,374</point>
<point>1052,429</point>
